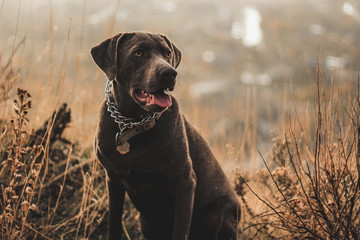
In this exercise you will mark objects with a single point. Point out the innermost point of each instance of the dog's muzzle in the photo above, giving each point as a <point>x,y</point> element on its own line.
<point>160,96</point>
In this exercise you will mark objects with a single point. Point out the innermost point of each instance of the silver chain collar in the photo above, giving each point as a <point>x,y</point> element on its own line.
<point>124,122</point>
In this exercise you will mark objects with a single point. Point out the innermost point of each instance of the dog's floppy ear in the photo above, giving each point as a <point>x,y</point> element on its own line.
<point>176,52</point>
<point>177,56</point>
<point>105,55</point>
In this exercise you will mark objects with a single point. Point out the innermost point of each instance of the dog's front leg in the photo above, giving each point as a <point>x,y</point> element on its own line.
<point>116,203</point>
<point>184,201</point>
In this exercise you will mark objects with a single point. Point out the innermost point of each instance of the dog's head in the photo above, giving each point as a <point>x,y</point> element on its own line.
<point>143,64</point>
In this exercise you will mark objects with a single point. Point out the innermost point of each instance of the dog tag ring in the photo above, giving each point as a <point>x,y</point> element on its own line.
<point>123,148</point>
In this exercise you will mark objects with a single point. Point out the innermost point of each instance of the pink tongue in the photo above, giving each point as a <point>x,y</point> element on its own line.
<point>160,99</point>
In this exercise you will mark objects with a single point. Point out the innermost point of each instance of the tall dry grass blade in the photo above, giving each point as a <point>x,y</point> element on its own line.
<point>15,49</point>
<point>319,125</point>
<point>15,35</point>
<point>61,186</point>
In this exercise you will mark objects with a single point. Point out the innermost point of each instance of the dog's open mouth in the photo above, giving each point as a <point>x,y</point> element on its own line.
<point>160,98</point>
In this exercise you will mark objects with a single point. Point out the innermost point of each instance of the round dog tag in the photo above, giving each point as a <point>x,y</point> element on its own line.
<point>124,148</point>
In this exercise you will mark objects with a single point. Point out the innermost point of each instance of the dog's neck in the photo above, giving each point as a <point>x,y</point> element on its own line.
<point>120,96</point>
<point>128,127</point>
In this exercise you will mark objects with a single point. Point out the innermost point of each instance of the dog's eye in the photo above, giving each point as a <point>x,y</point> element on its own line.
<point>138,53</point>
<point>168,54</point>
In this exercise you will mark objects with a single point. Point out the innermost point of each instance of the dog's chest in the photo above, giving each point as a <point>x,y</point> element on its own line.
<point>137,183</point>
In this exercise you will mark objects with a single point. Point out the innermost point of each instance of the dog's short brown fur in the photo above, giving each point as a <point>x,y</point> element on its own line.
<point>170,173</point>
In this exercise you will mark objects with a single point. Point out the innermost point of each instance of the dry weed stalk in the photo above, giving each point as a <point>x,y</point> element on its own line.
<point>19,174</point>
<point>313,191</point>
<point>9,75</point>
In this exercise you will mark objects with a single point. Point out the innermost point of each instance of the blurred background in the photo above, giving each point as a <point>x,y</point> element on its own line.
<point>245,63</point>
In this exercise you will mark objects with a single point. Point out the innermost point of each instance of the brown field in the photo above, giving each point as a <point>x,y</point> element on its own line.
<point>282,116</point>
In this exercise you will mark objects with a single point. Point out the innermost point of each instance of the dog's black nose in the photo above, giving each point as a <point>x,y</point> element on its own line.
<point>168,74</point>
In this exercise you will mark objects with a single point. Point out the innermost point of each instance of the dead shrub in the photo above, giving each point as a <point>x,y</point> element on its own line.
<point>312,179</point>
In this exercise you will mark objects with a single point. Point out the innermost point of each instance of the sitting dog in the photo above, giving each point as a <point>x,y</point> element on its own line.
<point>151,152</point>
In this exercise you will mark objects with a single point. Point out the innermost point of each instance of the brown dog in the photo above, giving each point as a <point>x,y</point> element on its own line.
<point>152,152</point>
